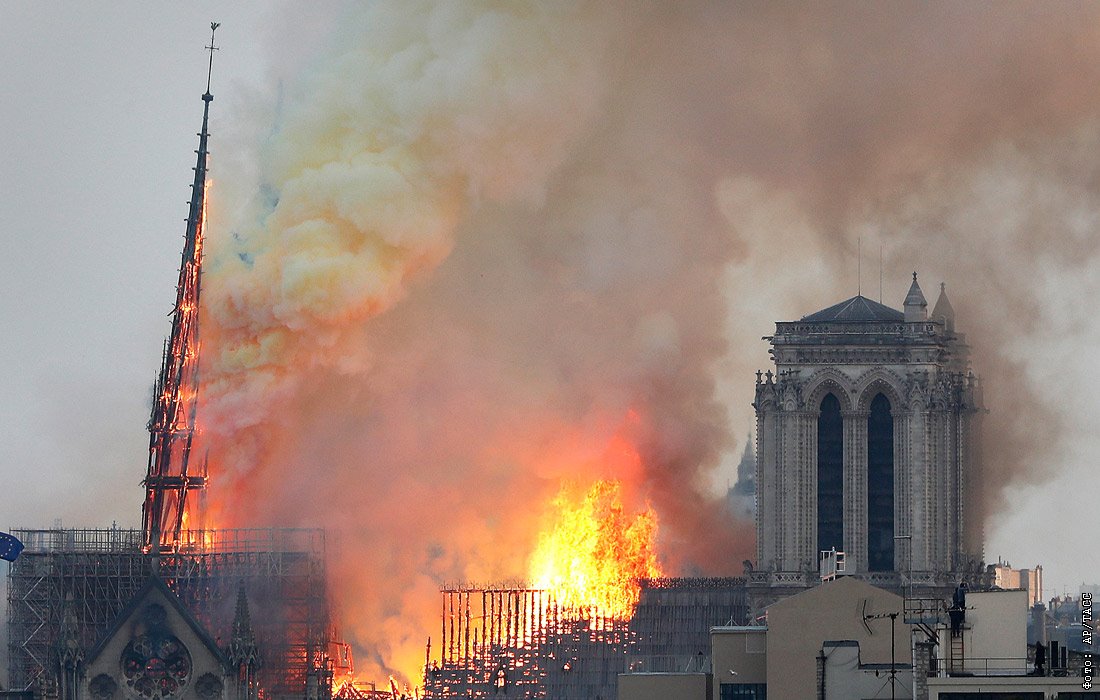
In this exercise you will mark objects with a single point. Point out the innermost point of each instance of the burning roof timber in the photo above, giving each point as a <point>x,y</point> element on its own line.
<point>525,640</point>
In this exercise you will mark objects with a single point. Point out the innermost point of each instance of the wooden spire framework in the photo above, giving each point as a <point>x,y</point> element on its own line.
<point>170,476</point>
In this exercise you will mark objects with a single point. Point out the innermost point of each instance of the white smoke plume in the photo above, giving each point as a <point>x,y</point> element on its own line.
<point>496,246</point>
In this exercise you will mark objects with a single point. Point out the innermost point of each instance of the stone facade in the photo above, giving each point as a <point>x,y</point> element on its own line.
<point>157,651</point>
<point>905,441</point>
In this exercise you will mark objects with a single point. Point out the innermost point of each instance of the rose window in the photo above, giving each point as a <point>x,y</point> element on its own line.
<point>156,665</point>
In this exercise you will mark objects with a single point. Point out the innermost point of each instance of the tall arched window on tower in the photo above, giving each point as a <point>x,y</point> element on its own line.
<point>880,486</point>
<point>830,475</point>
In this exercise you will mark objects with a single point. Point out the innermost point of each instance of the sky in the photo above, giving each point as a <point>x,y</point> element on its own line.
<point>100,111</point>
<point>746,148</point>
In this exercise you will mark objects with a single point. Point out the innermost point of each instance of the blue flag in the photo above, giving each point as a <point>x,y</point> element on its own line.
<point>10,546</point>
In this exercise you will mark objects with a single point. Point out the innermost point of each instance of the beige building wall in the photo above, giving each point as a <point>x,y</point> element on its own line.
<point>848,676</point>
<point>664,686</point>
<point>800,624</point>
<point>738,655</point>
<point>1030,580</point>
<point>994,633</point>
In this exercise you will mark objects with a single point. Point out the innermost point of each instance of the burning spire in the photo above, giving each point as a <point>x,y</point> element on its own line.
<point>175,395</point>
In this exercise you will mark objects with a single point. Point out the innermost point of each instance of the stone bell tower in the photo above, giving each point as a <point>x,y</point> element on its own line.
<point>866,443</point>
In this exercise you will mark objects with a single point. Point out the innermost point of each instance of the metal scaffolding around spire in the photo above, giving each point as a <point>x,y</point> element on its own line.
<point>170,476</point>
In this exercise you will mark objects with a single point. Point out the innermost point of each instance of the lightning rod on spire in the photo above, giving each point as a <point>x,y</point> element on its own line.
<point>210,66</point>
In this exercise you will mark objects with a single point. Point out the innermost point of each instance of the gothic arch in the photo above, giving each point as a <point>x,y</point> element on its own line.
<point>828,380</point>
<point>880,381</point>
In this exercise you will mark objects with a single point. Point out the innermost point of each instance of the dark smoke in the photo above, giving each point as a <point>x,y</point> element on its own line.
<point>492,242</point>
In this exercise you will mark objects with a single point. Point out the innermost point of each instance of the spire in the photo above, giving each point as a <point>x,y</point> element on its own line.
<point>746,469</point>
<point>69,648</point>
<point>70,652</point>
<point>242,647</point>
<point>172,422</point>
<point>916,306</point>
<point>243,653</point>
<point>942,311</point>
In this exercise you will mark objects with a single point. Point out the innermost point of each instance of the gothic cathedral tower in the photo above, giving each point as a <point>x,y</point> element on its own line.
<point>867,444</point>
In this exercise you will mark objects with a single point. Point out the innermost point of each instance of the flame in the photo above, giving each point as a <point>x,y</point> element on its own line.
<point>593,556</point>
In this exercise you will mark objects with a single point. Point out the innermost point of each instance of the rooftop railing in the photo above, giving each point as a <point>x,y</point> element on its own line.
<point>96,541</point>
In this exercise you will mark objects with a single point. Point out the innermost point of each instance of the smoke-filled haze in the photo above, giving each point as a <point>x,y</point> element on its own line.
<point>461,253</point>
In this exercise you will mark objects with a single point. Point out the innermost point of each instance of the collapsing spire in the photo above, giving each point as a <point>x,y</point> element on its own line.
<point>175,395</point>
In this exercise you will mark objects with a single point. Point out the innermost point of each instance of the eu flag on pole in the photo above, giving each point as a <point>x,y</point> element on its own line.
<point>10,546</point>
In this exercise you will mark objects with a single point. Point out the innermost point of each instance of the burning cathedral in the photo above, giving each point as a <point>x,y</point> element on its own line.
<point>867,451</point>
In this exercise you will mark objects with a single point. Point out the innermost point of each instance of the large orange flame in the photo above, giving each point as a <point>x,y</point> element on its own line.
<point>592,557</point>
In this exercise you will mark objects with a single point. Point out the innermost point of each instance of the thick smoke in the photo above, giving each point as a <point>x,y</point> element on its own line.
<point>495,247</point>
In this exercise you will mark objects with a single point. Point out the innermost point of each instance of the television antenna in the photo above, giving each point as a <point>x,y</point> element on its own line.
<point>893,680</point>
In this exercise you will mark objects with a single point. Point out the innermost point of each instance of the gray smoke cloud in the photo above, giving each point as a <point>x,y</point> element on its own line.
<point>493,244</point>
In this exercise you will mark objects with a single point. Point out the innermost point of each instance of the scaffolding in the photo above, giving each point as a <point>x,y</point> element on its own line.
<point>90,575</point>
<point>520,642</point>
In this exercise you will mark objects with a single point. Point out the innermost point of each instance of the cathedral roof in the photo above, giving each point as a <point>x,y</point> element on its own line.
<point>858,308</point>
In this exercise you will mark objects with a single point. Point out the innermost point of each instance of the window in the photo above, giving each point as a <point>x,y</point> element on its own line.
<point>880,486</point>
<point>743,691</point>
<point>830,476</point>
